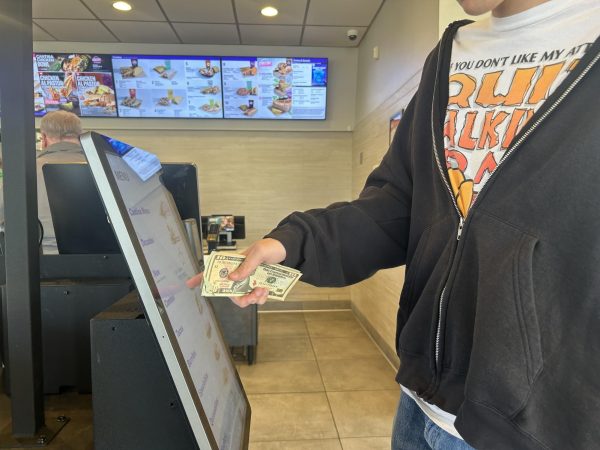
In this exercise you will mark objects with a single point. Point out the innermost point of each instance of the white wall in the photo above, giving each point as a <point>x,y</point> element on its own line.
<point>340,96</point>
<point>405,31</point>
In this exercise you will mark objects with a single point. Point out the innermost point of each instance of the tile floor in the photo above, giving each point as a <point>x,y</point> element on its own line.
<point>319,383</point>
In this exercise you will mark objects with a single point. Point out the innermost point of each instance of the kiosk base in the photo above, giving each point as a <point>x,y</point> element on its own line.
<point>135,403</point>
<point>43,437</point>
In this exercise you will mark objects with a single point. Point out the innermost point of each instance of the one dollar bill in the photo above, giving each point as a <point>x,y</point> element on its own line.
<point>278,279</point>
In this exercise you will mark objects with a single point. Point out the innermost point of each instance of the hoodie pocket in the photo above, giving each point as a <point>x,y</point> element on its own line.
<point>506,344</point>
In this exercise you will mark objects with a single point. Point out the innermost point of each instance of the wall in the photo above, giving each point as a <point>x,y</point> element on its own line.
<point>262,175</point>
<point>340,95</point>
<point>405,31</point>
<point>262,169</point>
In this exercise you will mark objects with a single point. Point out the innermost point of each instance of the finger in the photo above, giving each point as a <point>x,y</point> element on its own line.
<point>258,295</point>
<point>196,280</point>
<point>247,267</point>
<point>263,298</point>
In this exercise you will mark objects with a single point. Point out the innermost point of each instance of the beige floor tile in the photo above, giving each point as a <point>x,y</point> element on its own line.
<point>344,348</point>
<point>370,443</point>
<point>281,325</point>
<point>281,376</point>
<point>377,410</point>
<point>310,444</point>
<point>278,417</point>
<point>373,373</point>
<point>329,315</point>
<point>344,328</point>
<point>285,349</point>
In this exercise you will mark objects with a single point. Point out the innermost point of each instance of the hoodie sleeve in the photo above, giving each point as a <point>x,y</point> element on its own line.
<point>347,242</point>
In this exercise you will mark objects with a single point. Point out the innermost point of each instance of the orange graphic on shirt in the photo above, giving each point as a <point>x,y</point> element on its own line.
<point>462,189</point>
<point>499,118</point>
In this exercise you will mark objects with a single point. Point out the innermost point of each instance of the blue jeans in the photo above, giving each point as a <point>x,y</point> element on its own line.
<point>413,430</point>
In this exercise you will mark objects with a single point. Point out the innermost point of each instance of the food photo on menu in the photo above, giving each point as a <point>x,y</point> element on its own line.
<point>79,83</point>
<point>168,86</point>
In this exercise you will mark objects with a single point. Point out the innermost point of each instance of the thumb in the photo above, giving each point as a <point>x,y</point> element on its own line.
<point>247,267</point>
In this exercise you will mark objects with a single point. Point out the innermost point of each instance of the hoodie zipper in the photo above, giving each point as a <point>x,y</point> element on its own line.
<point>461,222</point>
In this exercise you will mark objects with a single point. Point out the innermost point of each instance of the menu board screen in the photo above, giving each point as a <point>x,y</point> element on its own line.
<point>274,88</point>
<point>79,83</point>
<point>168,86</point>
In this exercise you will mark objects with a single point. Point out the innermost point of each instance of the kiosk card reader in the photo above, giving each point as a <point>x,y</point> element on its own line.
<point>152,238</point>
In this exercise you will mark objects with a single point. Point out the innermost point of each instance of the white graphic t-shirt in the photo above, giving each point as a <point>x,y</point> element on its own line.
<point>501,72</point>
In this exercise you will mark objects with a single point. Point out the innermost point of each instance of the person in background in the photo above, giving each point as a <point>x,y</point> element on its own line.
<point>60,132</point>
<point>489,194</point>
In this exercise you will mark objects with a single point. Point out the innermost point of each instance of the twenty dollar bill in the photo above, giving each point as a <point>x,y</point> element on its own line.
<point>278,279</point>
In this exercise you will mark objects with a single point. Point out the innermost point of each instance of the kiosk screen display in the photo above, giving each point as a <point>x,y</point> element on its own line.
<point>153,240</point>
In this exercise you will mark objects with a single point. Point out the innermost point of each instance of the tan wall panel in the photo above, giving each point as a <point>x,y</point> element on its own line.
<point>261,175</point>
<point>376,299</point>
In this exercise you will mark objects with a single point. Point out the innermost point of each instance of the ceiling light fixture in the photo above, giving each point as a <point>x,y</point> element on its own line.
<point>269,11</point>
<point>122,6</point>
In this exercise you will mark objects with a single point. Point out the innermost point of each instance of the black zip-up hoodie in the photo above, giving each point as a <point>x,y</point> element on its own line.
<point>502,326</point>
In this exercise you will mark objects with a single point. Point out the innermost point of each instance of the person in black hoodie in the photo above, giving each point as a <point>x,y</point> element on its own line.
<point>489,195</point>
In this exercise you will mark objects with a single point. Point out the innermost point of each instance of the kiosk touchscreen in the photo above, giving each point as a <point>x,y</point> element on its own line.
<point>153,241</point>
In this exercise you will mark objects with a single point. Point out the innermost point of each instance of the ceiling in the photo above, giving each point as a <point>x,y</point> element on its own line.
<point>315,23</point>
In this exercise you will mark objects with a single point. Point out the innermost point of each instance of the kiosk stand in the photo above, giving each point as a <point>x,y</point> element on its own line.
<point>184,327</point>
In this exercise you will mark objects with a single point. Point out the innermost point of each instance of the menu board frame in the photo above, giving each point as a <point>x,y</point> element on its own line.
<point>96,149</point>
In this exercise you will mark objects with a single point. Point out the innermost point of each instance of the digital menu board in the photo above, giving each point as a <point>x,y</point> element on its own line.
<point>80,83</point>
<point>168,86</point>
<point>274,88</point>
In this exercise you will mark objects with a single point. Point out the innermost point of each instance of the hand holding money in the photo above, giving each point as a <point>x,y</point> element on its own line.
<point>279,280</point>
<point>266,250</point>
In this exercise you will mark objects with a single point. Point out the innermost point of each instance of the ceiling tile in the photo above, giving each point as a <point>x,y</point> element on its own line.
<point>141,10</point>
<point>207,33</point>
<point>331,37</point>
<point>270,34</point>
<point>150,32</point>
<point>290,12</point>
<point>206,11</point>
<point>338,12</point>
<point>60,9</point>
<point>41,35</point>
<point>76,30</point>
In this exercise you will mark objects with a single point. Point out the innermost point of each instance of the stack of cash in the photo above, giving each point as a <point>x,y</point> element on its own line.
<point>278,279</point>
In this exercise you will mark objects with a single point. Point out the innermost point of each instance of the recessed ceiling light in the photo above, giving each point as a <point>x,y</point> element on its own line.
<point>269,11</point>
<point>122,6</point>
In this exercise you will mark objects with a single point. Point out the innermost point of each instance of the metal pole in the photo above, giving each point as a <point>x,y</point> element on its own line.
<point>20,208</point>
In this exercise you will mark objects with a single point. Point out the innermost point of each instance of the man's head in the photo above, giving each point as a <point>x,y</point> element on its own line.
<point>60,126</point>
<point>499,8</point>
